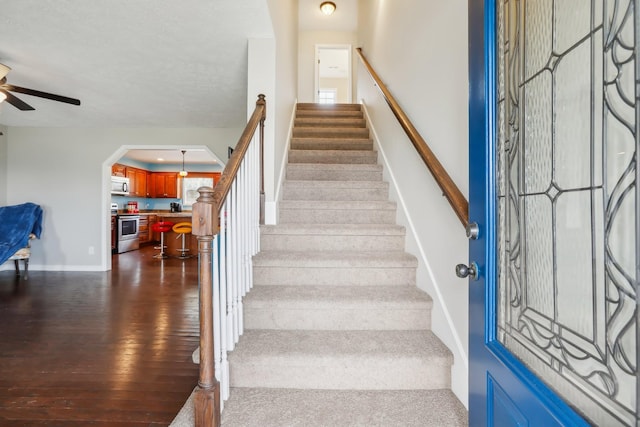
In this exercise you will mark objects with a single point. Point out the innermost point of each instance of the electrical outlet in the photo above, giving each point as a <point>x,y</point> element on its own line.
<point>92,250</point>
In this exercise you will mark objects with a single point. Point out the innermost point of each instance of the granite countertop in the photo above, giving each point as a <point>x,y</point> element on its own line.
<point>178,214</point>
<point>165,213</point>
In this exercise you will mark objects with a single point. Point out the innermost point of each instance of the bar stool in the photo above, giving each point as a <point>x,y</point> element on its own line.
<point>182,228</point>
<point>161,227</point>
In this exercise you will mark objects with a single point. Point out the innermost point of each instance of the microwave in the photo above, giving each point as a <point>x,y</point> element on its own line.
<point>119,186</point>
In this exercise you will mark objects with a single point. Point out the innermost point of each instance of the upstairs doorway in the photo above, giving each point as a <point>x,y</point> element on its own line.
<point>333,74</point>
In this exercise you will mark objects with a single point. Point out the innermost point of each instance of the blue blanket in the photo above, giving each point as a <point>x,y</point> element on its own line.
<point>16,223</point>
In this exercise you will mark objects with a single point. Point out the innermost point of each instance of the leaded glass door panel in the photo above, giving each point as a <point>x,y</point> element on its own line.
<point>553,122</point>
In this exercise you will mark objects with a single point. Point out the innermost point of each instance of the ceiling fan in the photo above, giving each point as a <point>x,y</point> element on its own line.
<point>6,88</point>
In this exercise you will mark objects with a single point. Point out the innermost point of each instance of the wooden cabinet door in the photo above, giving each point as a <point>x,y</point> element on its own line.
<point>131,174</point>
<point>166,185</point>
<point>141,182</point>
<point>158,184</point>
<point>152,219</point>
<point>118,170</point>
<point>113,233</point>
<point>150,185</point>
<point>143,229</point>
<point>171,186</point>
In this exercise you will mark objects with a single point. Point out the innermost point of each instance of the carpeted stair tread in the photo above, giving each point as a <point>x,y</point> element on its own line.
<point>333,171</point>
<point>336,184</point>
<point>333,156</point>
<point>337,212</point>
<point>328,132</point>
<point>262,407</point>
<point>335,190</point>
<point>337,308</point>
<point>375,205</point>
<point>328,107</point>
<point>335,259</point>
<point>332,237</point>
<point>340,360</point>
<point>336,167</point>
<point>305,141</point>
<point>334,229</point>
<point>329,113</point>
<point>296,345</point>
<point>391,297</point>
<point>320,121</point>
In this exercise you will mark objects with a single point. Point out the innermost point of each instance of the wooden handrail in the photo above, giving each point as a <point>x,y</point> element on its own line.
<point>205,225</point>
<point>450,191</point>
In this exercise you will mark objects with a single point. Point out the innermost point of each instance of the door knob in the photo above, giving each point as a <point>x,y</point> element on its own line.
<point>464,271</point>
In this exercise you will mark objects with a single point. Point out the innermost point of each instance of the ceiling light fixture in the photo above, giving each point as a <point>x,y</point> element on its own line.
<point>183,172</point>
<point>327,7</point>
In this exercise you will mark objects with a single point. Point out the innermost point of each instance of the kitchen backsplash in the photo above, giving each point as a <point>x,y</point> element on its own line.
<point>145,204</point>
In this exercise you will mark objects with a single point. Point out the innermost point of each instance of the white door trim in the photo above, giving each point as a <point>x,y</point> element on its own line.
<point>316,79</point>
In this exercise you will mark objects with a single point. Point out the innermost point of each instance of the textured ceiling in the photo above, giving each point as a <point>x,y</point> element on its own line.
<point>131,63</point>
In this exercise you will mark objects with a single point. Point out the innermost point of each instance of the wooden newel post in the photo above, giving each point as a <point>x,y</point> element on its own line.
<point>205,226</point>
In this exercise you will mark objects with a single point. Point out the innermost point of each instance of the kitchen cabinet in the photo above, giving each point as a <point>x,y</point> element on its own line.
<point>152,219</point>
<point>141,183</point>
<point>114,237</point>
<point>145,233</point>
<point>149,187</point>
<point>165,185</point>
<point>131,174</point>
<point>118,170</point>
<point>143,229</point>
<point>137,182</point>
<point>173,240</point>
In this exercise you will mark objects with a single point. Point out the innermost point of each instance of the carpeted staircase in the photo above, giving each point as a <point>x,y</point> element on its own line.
<point>336,331</point>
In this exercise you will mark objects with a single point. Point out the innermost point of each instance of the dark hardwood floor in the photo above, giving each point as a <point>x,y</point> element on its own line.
<point>99,348</point>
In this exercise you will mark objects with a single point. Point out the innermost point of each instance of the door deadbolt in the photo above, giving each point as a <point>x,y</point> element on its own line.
<point>471,271</point>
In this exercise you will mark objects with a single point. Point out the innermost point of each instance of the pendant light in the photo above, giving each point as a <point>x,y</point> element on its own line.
<point>327,7</point>
<point>183,172</point>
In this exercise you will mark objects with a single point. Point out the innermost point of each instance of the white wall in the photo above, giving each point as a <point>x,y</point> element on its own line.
<point>66,170</point>
<point>419,49</point>
<point>341,86</point>
<point>3,165</point>
<point>284,17</point>
<point>307,41</point>
<point>262,80</point>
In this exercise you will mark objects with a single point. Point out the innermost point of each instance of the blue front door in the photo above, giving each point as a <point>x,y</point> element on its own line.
<point>553,171</point>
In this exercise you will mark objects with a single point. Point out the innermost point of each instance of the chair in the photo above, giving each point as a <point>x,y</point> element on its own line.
<point>23,254</point>
<point>161,227</point>
<point>183,228</point>
<point>19,224</point>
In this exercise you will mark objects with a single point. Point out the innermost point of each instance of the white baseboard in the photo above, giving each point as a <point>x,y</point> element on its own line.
<point>41,267</point>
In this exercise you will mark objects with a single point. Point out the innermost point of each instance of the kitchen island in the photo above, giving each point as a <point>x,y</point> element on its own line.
<point>173,240</point>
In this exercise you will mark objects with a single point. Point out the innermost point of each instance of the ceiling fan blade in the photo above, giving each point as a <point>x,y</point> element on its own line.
<point>17,102</point>
<point>4,70</point>
<point>41,94</point>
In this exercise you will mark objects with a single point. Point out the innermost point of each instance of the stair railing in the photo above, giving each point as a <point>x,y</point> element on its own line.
<point>226,222</point>
<point>449,189</point>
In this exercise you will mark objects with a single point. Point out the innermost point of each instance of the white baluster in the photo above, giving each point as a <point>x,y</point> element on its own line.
<point>234,258</point>
<point>224,273</point>
<point>241,293</point>
<point>219,346</point>
<point>246,244</point>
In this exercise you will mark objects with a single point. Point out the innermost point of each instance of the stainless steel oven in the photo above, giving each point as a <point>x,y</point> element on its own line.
<point>128,237</point>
